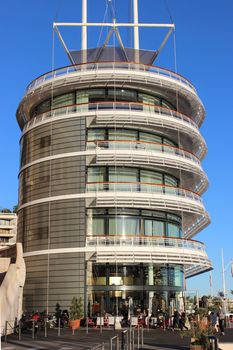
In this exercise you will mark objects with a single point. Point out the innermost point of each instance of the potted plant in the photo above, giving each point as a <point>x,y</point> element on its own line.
<point>76,312</point>
<point>199,337</point>
<point>199,334</point>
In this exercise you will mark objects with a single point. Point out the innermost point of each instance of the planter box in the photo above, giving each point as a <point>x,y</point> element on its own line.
<point>74,324</point>
<point>197,347</point>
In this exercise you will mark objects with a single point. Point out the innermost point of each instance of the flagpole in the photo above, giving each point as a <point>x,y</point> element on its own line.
<point>211,284</point>
<point>223,276</point>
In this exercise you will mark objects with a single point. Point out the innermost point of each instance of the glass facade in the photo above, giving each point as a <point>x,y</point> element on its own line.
<point>129,179</point>
<point>100,95</point>
<point>144,284</point>
<point>132,222</point>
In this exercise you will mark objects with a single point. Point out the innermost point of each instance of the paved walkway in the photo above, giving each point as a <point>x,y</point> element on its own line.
<point>155,339</point>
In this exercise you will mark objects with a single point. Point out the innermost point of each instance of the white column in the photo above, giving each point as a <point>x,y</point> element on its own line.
<point>135,20</point>
<point>84,31</point>
<point>150,283</point>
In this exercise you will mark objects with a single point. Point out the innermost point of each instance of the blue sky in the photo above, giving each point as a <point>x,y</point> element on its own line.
<point>204,55</point>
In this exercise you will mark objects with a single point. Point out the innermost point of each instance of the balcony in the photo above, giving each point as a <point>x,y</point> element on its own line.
<point>159,250</point>
<point>128,114</point>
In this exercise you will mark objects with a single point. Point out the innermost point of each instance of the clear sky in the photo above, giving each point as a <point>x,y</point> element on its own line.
<point>204,55</point>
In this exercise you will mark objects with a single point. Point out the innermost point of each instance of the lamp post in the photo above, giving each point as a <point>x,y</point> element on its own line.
<point>224,281</point>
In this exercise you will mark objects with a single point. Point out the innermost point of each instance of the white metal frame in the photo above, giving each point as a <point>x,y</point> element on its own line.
<point>113,28</point>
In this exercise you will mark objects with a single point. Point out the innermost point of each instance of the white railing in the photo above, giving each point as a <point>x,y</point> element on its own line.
<point>103,106</point>
<point>141,146</point>
<point>144,241</point>
<point>142,187</point>
<point>129,66</point>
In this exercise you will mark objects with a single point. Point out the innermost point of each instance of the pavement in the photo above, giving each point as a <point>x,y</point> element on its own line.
<point>154,339</point>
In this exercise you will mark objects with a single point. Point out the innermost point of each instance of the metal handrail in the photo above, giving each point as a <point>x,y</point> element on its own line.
<point>92,66</point>
<point>142,187</point>
<point>105,105</point>
<point>159,241</point>
<point>142,145</point>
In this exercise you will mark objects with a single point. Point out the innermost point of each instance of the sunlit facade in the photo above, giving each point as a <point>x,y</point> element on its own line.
<point>110,186</point>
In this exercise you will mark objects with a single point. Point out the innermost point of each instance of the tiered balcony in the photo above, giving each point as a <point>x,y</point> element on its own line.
<point>128,249</point>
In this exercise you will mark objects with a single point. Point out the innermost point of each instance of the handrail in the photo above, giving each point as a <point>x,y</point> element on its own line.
<point>142,183</point>
<point>176,150</point>
<point>144,241</point>
<point>104,65</point>
<point>127,105</point>
<point>142,236</point>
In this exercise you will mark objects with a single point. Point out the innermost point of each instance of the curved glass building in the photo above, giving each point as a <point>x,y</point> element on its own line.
<point>110,186</point>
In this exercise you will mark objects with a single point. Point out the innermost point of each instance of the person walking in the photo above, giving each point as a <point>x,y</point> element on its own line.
<point>221,321</point>
<point>213,321</point>
<point>183,321</point>
<point>176,319</point>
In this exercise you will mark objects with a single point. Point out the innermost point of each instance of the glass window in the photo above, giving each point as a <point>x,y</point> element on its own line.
<point>124,226</point>
<point>98,226</point>
<point>96,95</point>
<point>43,107</point>
<point>82,99</point>
<point>148,179</point>
<point>95,134</point>
<point>122,94</point>
<point>166,104</point>
<point>96,174</point>
<point>173,230</point>
<point>63,100</point>
<point>122,134</point>
<point>123,174</point>
<point>144,136</point>
<point>153,228</point>
<point>171,181</point>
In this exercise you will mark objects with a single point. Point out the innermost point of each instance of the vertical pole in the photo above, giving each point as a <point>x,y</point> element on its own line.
<point>135,20</point>
<point>19,329</point>
<point>33,329</point>
<point>5,331</point>
<point>136,30</point>
<point>133,340</point>
<point>59,326</point>
<point>138,337</point>
<point>223,275</point>
<point>224,284</point>
<point>142,337</point>
<point>45,327</point>
<point>84,31</point>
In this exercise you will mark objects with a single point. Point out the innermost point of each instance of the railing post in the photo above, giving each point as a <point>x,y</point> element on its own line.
<point>45,327</point>
<point>6,331</point>
<point>19,329</point>
<point>33,329</point>
<point>59,327</point>
<point>87,324</point>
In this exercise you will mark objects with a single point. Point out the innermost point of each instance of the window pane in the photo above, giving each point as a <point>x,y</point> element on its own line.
<point>98,226</point>
<point>96,174</point>
<point>63,100</point>
<point>171,181</point>
<point>154,228</point>
<point>43,107</point>
<point>124,226</point>
<point>122,94</point>
<point>96,134</point>
<point>120,134</point>
<point>173,230</point>
<point>123,175</point>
